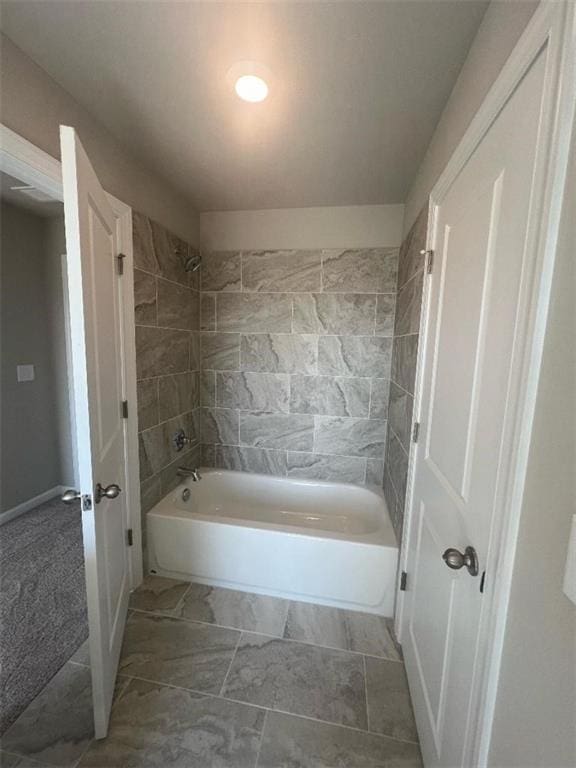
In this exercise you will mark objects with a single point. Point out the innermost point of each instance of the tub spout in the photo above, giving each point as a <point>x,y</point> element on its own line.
<point>189,472</point>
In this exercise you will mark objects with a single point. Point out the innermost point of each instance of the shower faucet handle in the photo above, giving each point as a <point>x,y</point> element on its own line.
<point>180,439</point>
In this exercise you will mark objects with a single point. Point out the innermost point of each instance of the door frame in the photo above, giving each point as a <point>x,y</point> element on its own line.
<point>25,161</point>
<point>553,25</point>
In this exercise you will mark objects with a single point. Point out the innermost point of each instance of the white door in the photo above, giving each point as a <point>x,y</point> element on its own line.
<point>473,300</point>
<point>96,341</point>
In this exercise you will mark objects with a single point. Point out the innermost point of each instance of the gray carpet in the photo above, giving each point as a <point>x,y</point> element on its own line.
<point>42,601</point>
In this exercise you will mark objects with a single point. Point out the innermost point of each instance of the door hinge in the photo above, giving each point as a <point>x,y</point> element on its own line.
<point>124,409</point>
<point>129,537</point>
<point>429,260</point>
<point>403,581</point>
<point>120,261</point>
<point>415,431</point>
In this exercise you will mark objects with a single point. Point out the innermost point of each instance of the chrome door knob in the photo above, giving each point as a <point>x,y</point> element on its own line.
<point>456,560</point>
<point>109,492</point>
<point>70,496</point>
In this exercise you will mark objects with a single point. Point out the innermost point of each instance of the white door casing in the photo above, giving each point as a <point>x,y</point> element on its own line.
<point>485,299</point>
<point>95,299</point>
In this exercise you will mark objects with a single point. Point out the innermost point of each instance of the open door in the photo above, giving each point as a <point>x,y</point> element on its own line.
<point>96,342</point>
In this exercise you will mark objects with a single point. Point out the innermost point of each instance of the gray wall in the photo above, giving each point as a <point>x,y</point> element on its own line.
<point>402,377</point>
<point>536,704</point>
<point>55,248</point>
<point>501,27</point>
<point>30,449</point>
<point>34,105</point>
<point>296,353</point>
<point>167,317</point>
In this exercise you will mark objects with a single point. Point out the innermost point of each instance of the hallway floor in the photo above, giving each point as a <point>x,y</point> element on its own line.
<point>42,601</point>
<point>213,678</point>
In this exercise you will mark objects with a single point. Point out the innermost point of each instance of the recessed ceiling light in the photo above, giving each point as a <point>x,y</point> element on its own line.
<point>251,88</point>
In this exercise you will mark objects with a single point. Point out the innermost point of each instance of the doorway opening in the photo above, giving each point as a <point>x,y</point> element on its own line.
<point>42,587</point>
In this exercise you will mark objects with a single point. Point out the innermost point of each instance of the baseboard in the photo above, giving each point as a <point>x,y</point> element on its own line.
<point>25,506</point>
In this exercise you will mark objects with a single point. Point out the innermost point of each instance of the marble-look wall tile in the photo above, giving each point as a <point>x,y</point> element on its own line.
<point>221,351</point>
<point>350,437</point>
<point>391,501</point>
<point>150,493</point>
<point>219,425</point>
<point>254,313</point>
<point>329,395</point>
<point>145,307</point>
<point>281,271</point>
<point>252,391</point>
<point>193,277</point>
<point>156,444</point>
<point>161,351</point>
<point>397,464</point>
<point>208,455</point>
<point>208,388</point>
<point>177,306</point>
<point>374,472</point>
<point>255,460</point>
<point>355,356</point>
<point>171,254</point>
<point>367,270</point>
<point>169,477</point>
<point>408,306</point>
<point>317,466</point>
<point>315,339</point>
<point>338,313</point>
<point>147,397</point>
<point>404,358</point>
<point>410,258</point>
<point>144,255</point>
<point>379,397</point>
<point>279,353</point>
<point>195,351</point>
<point>221,271</point>
<point>385,309</point>
<point>207,312</point>
<point>177,394</point>
<point>400,415</point>
<point>277,430</point>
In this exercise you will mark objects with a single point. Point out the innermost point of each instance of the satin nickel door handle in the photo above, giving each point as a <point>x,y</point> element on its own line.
<point>70,496</point>
<point>455,559</point>
<point>110,492</point>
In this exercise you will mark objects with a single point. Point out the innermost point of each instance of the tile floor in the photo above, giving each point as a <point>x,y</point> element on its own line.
<point>213,678</point>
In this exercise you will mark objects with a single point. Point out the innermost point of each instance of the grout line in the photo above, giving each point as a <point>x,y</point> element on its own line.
<point>231,663</point>
<point>261,738</point>
<point>366,692</point>
<point>274,637</point>
<point>269,709</point>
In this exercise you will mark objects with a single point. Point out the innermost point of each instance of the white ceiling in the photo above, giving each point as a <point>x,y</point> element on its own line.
<point>357,89</point>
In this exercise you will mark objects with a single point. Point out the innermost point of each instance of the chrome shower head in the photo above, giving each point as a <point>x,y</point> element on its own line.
<point>193,263</point>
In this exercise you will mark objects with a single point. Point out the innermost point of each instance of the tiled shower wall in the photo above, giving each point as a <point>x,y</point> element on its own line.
<point>167,306</point>
<point>296,351</point>
<point>405,349</point>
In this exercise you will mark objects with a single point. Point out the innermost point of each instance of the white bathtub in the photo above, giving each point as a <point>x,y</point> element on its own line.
<point>326,543</point>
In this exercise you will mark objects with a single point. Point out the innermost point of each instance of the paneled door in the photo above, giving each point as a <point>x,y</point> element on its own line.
<point>481,225</point>
<point>96,342</point>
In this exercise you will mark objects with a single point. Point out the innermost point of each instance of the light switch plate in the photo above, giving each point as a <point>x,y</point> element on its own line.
<point>570,573</point>
<point>25,372</point>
